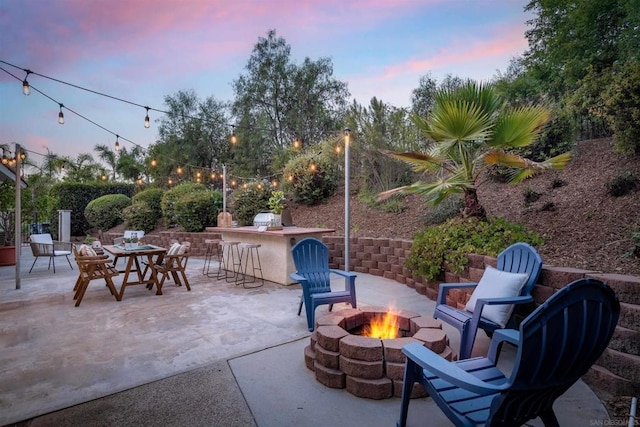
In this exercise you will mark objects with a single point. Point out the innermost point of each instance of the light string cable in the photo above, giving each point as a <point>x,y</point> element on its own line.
<point>147,108</point>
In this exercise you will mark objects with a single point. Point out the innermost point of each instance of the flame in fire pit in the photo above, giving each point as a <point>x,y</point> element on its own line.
<point>386,327</point>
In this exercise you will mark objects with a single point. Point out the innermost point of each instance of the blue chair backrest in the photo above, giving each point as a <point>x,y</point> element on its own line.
<point>521,258</point>
<point>311,258</point>
<point>559,342</point>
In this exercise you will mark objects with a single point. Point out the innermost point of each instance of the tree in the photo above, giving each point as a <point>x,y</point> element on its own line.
<point>277,101</point>
<point>471,129</point>
<point>195,134</point>
<point>106,154</point>
<point>569,36</point>
<point>380,127</point>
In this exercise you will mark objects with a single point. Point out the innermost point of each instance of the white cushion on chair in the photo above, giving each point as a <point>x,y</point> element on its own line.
<point>173,250</point>
<point>497,284</point>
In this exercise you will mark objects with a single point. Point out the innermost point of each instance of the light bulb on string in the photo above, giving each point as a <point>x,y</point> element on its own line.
<point>146,119</point>
<point>153,162</point>
<point>62,168</point>
<point>61,115</point>
<point>179,170</point>
<point>213,175</point>
<point>25,84</point>
<point>296,143</point>
<point>233,138</point>
<point>117,145</point>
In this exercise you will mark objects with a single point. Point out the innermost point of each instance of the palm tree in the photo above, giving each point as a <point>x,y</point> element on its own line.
<point>106,154</point>
<point>472,129</point>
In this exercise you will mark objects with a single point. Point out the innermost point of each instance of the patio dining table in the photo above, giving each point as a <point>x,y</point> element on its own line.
<point>134,266</point>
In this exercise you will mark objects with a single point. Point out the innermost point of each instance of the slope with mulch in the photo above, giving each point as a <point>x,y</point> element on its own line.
<point>583,225</point>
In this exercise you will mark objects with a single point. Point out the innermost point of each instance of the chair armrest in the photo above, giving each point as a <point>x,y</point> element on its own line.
<point>444,289</point>
<point>448,371</point>
<point>500,336</point>
<point>298,278</point>
<point>62,246</point>
<point>349,279</point>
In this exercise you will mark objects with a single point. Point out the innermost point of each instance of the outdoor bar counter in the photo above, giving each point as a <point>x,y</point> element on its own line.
<point>275,249</point>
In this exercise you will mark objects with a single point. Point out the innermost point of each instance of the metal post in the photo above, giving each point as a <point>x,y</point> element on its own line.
<point>224,189</point>
<point>18,219</point>
<point>347,225</point>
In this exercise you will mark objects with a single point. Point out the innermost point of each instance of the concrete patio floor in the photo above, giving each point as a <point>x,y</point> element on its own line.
<point>220,355</point>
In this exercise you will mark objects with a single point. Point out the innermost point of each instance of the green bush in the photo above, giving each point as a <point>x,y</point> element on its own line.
<point>153,198</point>
<point>447,209</point>
<point>170,198</point>
<point>623,184</point>
<point>622,104</point>
<point>198,210</point>
<point>75,197</point>
<point>313,176</point>
<point>249,200</point>
<point>140,216</point>
<point>448,244</point>
<point>105,212</point>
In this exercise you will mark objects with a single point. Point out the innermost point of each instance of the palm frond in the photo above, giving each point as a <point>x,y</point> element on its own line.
<point>420,162</point>
<point>458,121</point>
<point>519,127</point>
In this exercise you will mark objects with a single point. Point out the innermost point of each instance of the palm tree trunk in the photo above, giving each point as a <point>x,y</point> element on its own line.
<point>472,206</point>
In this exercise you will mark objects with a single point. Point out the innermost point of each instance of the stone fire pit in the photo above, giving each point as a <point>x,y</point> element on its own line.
<point>369,367</point>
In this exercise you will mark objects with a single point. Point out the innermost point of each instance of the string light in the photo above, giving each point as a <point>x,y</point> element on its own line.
<point>213,175</point>
<point>296,143</point>
<point>153,162</point>
<point>62,167</point>
<point>179,170</point>
<point>146,119</point>
<point>117,146</point>
<point>25,84</point>
<point>61,115</point>
<point>233,137</point>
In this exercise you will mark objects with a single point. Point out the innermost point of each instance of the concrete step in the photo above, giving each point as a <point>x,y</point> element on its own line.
<point>601,379</point>
<point>627,288</point>
<point>621,364</point>
<point>626,341</point>
<point>629,316</point>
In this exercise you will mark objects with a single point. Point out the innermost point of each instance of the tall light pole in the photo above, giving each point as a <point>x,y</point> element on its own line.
<point>18,218</point>
<point>347,173</point>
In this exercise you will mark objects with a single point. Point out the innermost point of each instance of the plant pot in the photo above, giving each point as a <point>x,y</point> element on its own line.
<point>7,255</point>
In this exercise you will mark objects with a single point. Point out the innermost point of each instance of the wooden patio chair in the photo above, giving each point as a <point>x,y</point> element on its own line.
<point>311,258</point>
<point>43,246</point>
<point>93,267</point>
<point>493,299</point>
<point>556,345</point>
<point>174,263</point>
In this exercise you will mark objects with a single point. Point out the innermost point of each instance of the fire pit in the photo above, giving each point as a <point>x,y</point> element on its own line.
<point>342,357</point>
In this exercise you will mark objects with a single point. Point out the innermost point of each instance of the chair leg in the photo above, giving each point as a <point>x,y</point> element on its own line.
<point>53,260</point>
<point>411,372</point>
<point>549,419</point>
<point>34,263</point>
<point>300,306</point>
<point>67,257</point>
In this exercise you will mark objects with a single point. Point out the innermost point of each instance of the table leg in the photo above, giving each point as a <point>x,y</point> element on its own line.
<point>127,270</point>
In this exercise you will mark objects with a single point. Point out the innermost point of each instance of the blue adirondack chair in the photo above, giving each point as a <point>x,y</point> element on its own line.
<point>556,345</point>
<point>517,258</point>
<point>311,258</point>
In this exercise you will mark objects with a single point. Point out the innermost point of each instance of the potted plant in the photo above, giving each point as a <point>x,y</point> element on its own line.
<point>7,223</point>
<point>276,204</point>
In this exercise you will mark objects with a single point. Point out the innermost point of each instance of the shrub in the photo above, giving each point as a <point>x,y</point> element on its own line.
<point>170,198</point>
<point>623,184</point>
<point>558,182</point>
<point>105,212</point>
<point>448,209</point>
<point>313,176</point>
<point>622,105</point>
<point>140,216</point>
<point>153,198</point>
<point>448,244</point>
<point>195,211</point>
<point>530,196</point>
<point>249,200</point>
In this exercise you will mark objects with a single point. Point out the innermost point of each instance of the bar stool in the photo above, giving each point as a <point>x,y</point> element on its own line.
<point>213,251</point>
<point>230,261</point>
<point>249,251</point>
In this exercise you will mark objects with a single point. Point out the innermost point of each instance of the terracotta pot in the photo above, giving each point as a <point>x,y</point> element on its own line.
<point>7,255</point>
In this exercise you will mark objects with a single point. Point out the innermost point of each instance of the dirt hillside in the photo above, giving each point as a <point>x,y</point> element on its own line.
<point>584,227</point>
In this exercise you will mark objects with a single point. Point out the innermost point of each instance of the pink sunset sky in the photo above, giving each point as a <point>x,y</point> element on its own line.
<point>143,50</point>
